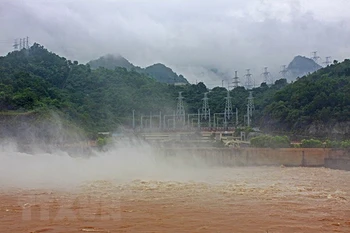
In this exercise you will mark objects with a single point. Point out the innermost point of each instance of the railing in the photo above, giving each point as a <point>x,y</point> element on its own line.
<point>185,129</point>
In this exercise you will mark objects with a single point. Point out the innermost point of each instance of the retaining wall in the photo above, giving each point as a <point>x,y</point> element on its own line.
<point>309,157</point>
<point>338,163</point>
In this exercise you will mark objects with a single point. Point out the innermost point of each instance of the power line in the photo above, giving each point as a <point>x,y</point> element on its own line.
<point>23,43</point>
<point>328,61</point>
<point>284,71</point>
<point>5,41</point>
<point>249,81</point>
<point>180,110</point>
<point>15,44</point>
<point>267,76</point>
<point>205,107</point>
<point>250,108</point>
<point>236,80</point>
<point>315,57</point>
<point>228,113</point>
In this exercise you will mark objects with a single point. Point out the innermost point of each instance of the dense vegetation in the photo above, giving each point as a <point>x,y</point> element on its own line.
<point>267,141</point>
<point>315,143</point>
<point>111,62</point>
<point>321,99</point>
<point>101,99</point>
<point>36,80</point>
<point>158,71</point>
<point>96,100</point>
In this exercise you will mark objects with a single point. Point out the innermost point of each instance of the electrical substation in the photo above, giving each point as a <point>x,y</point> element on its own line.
<point>202,120</point>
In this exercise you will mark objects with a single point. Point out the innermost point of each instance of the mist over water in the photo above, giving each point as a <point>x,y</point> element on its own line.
<point>145,167</point>
<point>133,167</point>
<point>123,162</point>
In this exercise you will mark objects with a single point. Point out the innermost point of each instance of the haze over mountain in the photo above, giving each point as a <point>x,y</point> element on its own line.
<point>186,35</point>
<point>158,71</point>
<point>36,81</point>
<point>301,66</point>
<point>298,67</point>
<point>110,61</point>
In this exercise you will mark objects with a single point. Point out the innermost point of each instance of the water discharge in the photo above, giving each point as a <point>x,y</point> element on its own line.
<point>121,163</point>
<point>171,194</point>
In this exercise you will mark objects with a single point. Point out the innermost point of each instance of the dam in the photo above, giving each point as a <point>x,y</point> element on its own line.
<point>290,157</point>
<point>191,147</point>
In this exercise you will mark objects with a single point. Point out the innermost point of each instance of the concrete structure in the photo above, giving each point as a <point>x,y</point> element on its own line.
<point>308,157</point>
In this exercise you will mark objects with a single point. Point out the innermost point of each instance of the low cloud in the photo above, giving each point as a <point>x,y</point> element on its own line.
<point>185,35</point>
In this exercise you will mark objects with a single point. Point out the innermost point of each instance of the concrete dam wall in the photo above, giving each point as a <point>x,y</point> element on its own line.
<point>308,157</point>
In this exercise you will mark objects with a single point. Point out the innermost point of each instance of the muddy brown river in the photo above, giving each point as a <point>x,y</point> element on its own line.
<point>128,189</point>
<point>250,199</point>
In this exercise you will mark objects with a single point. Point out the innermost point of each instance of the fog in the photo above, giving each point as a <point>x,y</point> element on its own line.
<point>124,161</point>
<point>185,35</point>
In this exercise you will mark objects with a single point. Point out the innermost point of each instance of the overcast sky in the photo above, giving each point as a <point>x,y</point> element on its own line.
<point>183,34</point>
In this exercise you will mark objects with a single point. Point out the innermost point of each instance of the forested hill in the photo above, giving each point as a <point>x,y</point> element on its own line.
<point>157,71</point>
<point>35,81</point>
<point>317,104</point>
<point>110,61</point>
<point>95,100</point>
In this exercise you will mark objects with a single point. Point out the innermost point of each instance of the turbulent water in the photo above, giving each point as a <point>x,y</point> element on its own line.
<point>157,192</point>
<point>121,163</point>
<point>126,165</point>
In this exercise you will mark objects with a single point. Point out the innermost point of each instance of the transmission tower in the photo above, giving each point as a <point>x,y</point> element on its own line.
<point>205,107</point>
<point>284,71</point>
<point>15,44</point>
<point>228,109</point>
<point>180,110</point>
<point>328,61</point>
<point>249,81</point>
<point>23,43</point>
<point>235,80</point>
<point>315,57</point>
<point>27,43</point>
<point>250,108</point>
<point>267,77</point>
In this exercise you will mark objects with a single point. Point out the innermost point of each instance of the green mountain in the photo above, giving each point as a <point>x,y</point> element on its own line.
<point>111,62</point>
<point>316,104</point>
<point>164,74</point>
<point>36,83</point>
<point>42,94</point>
<point>36,80</point>
<point>157,71</point>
